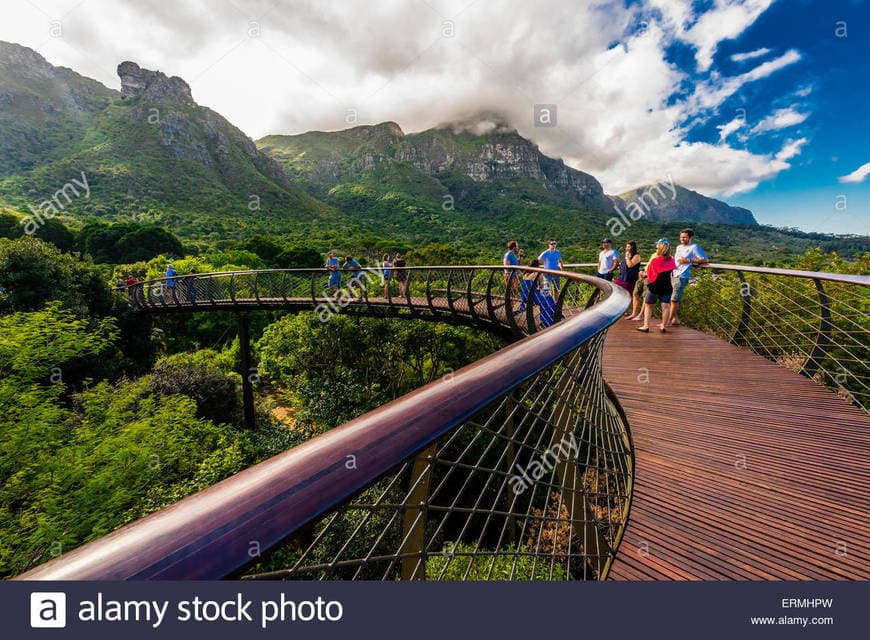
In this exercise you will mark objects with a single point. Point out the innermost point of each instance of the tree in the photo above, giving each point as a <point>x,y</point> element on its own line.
<point>33,272</point>
<point>144,243</point>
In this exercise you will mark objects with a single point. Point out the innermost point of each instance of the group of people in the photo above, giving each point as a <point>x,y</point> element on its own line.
<point>664,279</point>
<point>390,269</point>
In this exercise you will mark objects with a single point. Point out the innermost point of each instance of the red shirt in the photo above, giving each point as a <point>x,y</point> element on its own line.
<point>658,265</point>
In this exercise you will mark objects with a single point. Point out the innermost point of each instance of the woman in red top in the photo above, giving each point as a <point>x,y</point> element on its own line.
<point>659,289</point>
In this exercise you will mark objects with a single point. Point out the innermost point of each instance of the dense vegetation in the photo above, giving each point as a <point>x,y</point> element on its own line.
<point>107,414</point>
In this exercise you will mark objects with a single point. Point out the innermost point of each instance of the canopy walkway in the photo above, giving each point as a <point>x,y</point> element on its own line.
<point>692,454</point>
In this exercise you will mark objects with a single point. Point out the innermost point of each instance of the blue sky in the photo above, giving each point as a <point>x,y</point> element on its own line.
<point>760,103</point>
<point>833,40</point>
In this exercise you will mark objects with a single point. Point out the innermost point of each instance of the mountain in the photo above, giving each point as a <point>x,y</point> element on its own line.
<point>149,152</point>
<point>481,164</point>
<point>672,202</point>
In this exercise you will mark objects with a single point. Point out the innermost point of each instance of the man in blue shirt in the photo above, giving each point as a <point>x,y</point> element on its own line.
<point>355,284</point>
<point>687,254</point>
<point>511,260</point>
<point>334,273</point>
<point>552,259</point>
<point>170,281</point>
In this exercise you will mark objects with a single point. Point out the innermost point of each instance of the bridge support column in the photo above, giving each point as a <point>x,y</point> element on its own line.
<point>247,371</point>
<point>414,517</point>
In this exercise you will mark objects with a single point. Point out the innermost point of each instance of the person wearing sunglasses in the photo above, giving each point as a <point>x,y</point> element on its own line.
<point>551,259</point>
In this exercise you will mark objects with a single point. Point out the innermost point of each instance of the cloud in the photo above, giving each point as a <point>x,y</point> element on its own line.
<point>791,149</point>
<point>727,20</point>
<point>780,119</point>
<point>726,130</point>
<point>858,175</point>
<point>749,55</point>
<point>623,108</point>
<point>714,91</point>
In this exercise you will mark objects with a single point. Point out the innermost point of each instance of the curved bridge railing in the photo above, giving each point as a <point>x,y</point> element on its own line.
<point>813,322</point>
<point>518,466</point>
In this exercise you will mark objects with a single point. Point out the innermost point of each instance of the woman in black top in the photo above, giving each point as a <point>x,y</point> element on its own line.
<point>400,273</point>
<point>629,270</point>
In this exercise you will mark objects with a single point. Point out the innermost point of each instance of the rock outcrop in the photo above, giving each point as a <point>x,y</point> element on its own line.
<point>137,82</point>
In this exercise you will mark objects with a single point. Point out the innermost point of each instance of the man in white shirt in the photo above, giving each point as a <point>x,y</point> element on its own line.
<point>687,254</point>
<point>552,259</point>
<point>608,260</point>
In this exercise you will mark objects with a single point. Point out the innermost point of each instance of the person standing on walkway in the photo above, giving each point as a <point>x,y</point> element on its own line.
<point>354,285</point>
<point>332,266</point>
<point>171,283</point>
<point>551,259</point>
<point>511,259</point>
<point>659,288</point>
<point>629,269</point>
<point>608,260</point>
<point>401,273</point>
<point>688,254</point>
<point>388,274</point>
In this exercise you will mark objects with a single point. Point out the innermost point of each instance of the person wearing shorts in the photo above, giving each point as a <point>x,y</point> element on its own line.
<point>511,259</point>
<point>334,283</point>
<point>688,254</point>
<point>552,259</point>
<point>659,288</point>
<point>388,274</point>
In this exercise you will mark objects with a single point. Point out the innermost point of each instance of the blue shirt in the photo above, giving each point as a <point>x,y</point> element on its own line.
<point>387,273</point>
<point>511,258</point>
<point>171,273</point>
<point>353,265</point>
<point>551,259</point>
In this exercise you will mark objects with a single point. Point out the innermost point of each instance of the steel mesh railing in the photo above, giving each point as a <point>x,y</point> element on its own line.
<point>535,486</point>
<point>815,323</point>
<point>519,466</point>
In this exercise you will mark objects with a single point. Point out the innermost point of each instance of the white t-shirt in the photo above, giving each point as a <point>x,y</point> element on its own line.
<point>606,260</point>
<point>691,252</point>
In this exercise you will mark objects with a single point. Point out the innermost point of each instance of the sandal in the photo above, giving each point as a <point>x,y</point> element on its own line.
<point>663,330</point>
<point>643,329</point>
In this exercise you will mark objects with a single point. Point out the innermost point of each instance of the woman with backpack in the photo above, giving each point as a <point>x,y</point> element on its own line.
<point>659,289</point>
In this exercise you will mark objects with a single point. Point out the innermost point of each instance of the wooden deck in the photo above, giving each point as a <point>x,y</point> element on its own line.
<point>744,469</point>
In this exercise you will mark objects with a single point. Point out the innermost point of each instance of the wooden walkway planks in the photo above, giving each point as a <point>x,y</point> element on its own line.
<point>745,470</point>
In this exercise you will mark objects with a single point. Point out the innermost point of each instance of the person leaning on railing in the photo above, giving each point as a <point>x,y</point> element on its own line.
<point>687,254</point>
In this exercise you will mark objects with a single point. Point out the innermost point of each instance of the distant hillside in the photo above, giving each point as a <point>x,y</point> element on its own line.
<point>673,202</point>
<point>149,151</point>
<point>483,165</point>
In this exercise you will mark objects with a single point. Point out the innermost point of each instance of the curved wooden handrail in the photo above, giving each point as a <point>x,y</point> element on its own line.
<point>208,534</point>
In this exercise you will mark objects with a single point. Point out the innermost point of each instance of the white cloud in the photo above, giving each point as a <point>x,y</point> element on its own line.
<point>391,60</point>
<point>726,130</point>
<point>727,20</point>
<point>716,89</point>
<point>791,149</point>
<point>780,119</point>
<point>858,175</point>
<point>749,55</point>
